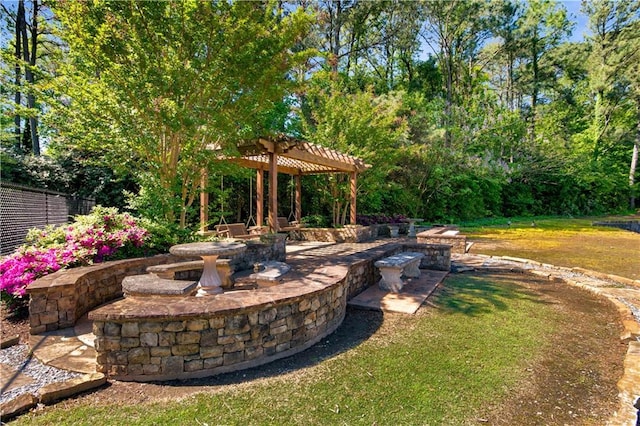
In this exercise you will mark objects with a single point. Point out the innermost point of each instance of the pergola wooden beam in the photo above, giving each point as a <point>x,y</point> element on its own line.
<point>259,165</point>
<point>273,191</point>
<point>259,197</point>
<point>316,159</point>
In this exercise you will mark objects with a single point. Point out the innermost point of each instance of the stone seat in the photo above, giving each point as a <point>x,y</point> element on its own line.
<point>392,269</point>
<point>271,274</point>
<point>150,284</point>
<point>168,271</point>
<point>268,274</point>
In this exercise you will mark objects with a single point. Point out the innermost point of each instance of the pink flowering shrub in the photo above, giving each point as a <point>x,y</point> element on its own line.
<point>103,234</point>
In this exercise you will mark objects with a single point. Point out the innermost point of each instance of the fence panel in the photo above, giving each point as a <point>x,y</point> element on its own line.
<point>23,208</point>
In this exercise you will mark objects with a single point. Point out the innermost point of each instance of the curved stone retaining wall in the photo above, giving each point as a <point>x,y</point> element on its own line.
<point>147,338</point>
<point>178,337</point>
<point>58,300</point>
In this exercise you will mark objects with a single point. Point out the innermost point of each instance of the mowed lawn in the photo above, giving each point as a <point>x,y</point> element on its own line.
<point>563,242</point>
<point>463,359</point>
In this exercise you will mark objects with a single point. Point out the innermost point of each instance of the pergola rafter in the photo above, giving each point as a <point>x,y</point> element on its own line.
<point>284,154</point>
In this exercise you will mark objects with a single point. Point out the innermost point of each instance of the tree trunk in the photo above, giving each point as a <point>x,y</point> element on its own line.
<point>510,82</point>
<point>448,104</point>
<point>534,92</point>
<point>598,123</point>
<point>30,61</point>
<point>35,139</point>
<point>20,22</point>
<point>335,36</point>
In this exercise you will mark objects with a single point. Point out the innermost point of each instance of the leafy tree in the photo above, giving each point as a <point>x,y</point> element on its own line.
<point>361,124</point>
<point>543,26</point>
<point>613,77</point>
<point>25,70</point>
<point>611,56</point>
<point>154,83</point>
<point>455,32</point>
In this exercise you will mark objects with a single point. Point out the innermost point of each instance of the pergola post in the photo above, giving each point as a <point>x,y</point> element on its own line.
<point>298,213</point>
<point>204,202</point>
<point>273,191</point>
<point>354,190</point>
<point>259,197</point>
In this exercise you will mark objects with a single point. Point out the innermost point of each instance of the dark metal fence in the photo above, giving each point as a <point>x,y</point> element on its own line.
<point>23,208</point>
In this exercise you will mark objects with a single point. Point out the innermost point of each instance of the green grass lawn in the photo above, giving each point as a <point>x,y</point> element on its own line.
<point>561,242</point>
<point>438,367</point>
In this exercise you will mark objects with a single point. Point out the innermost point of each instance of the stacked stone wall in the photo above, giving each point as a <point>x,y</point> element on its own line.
<point>348,234</point>
<point>628,225</point>
<point>361,274</point>
<point>58,300</point>
<point>458,243</point>
<point>176,337</point>
<point>207,344</point>
<point>436,256</point>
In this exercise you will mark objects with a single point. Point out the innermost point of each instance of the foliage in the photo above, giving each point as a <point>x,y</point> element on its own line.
<point>372,219</point>
<point>362,124</point>
<point>102,235</point>
<point>463,109</point>
<point>316,221</point>
<point>155,84</point>
<point>76,173</point>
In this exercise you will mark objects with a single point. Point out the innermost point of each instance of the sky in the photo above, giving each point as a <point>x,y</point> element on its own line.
<point>581,20</point>
<point>580,30</point>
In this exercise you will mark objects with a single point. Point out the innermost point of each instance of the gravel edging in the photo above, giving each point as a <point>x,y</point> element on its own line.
<point>25,363</point>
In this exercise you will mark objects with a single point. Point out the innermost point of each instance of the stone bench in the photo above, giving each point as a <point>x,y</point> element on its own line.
<point>168,271</point>
<point>271,273</point>
<point>445,235</point>
<point>150,284</point>
<point>392,269</point>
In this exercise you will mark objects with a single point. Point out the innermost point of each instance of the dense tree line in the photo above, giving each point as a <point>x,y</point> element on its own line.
<point>465,109</point>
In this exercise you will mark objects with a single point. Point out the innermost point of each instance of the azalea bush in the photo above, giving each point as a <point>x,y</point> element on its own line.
<point>102,235</point>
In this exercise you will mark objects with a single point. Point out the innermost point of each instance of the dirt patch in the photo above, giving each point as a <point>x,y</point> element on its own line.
<point>14,324</point>
<point>573,382</point>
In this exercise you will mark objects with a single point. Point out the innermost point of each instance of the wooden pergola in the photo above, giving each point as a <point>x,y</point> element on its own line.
<point>284,154</point>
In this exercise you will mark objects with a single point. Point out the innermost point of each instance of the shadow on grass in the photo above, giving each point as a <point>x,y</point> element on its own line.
<point>475,295</point>
<point>357,327</point>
